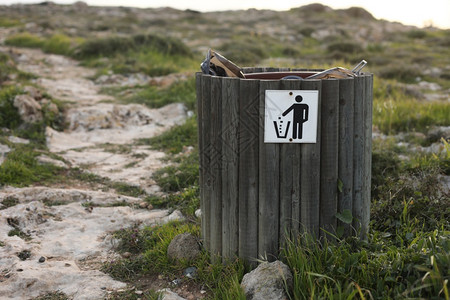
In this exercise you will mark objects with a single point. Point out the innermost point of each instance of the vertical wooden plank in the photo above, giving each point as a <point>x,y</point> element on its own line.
<point>216,166</point>
<point>198,88</point>
<point>289,180</point>
<point>205,189</point>
<point>310,172</point>
<point>248,169</point>
<point>358,152</point>
<point>268,184</point>
<point>329,155</point>
<point>230,171</point>
<point>367,173</point>
<point>345,163</point>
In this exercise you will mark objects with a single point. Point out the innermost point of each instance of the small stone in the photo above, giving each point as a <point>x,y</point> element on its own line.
<point>138,292</point>
<point>160,277</point>
<point>41,259</point>
<point>198,213</point>
<point>33,92</point>
<point>143,205</point>
<point>183,246</point>
<point>176,281</point>
<point>190,272</point>
<point>17,140</point>
<point>126,255</point>
<point>267,281</point>
<point>28,108</point>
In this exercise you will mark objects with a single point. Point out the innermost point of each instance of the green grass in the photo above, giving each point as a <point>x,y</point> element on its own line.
<point>53,296</point>
<point>183,174</point>
<point>150,54</point>
<point>19,233</point>
<point>377,269</point>
<point>187,201</point>
<point>96,181</point>
<point>22,169</point>
<point>9,202</point>
<point>8,22</point>
<point>24,39</point>
<point>57,43</point>
<point>394,111</point>
<point>155,97</point>
<point>149,248</point>
<point>107,47</point>
<point>9,116</point>
<point>173,140</point>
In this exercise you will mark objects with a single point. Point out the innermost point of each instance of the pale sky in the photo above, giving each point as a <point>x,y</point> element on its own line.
<point>409,12</point>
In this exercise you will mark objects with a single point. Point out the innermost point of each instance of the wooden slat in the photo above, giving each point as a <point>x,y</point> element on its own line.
<point>230,167</point>
<point>215,167</point>
<point>205,189</point>
<point>310,172</point>
<point>367,173</point>
<point>329,155</point>
<point>290,180</point>
<point>358,152</point>
<point>198,87</point>
<point>269,181</point>
<point>345,163</point>
<point>248,169</point>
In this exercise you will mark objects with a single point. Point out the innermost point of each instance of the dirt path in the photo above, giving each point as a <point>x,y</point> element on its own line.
<point>68,240</point>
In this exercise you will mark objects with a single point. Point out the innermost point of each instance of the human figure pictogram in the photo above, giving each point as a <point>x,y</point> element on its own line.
<point>300,116</point>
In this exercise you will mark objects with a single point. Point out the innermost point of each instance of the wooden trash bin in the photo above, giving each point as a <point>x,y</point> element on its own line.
<point>254,193</point>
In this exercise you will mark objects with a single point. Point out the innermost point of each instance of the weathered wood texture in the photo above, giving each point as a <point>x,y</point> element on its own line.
<point>205,188</point>
<point>255,195</point>
<point>248,168</point>
<point>290,155</point>
<point>215,152</point>
<point>345,163</point>
<point>358,152</point>
<point>367,173</point>
<point>230,166</point>
<point>329,155</point>
<point>310,173</point>
<point>269,184</point>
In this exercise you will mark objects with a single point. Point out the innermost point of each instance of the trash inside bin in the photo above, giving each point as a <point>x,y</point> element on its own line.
<point>217,65</point>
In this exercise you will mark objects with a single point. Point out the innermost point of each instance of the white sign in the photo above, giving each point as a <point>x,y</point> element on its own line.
<point>291,116</point>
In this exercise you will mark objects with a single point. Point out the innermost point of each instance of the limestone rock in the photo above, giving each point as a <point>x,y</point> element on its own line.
<point>267,281</point>
<point>175,216</point>
<point>438,132</point>
<point>183,246</point>
<point>17,140</point>
<point>29,109</point>
<point>3,151</point>
<point>44,159</point>
<point>33,92</point>
<point>167,294</point>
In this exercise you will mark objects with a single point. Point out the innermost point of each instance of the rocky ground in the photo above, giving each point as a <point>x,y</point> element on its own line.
<point>69,229</point>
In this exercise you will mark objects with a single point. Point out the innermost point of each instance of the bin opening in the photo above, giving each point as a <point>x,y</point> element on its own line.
<point>217,65</point>
<point>278,75</point>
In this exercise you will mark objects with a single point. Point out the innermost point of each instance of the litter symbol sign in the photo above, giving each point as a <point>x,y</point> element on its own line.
<point>291,116</point>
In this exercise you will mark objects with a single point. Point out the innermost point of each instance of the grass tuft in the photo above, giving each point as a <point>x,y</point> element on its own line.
<point>173,140</point>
